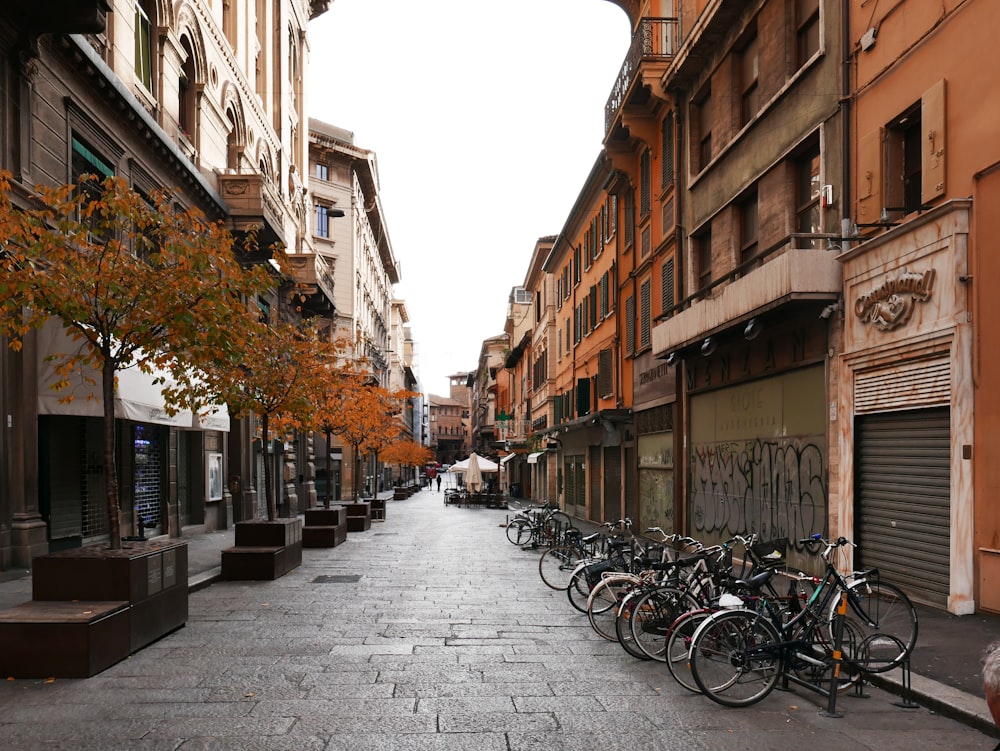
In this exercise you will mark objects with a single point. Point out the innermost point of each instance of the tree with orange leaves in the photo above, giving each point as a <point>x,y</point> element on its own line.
<point>363,414</point>
<point>134,280</point>
<point>407,453</point>
<point>279,376</point>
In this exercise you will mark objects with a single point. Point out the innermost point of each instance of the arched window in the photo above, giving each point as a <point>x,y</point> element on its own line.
<point>186,99</point>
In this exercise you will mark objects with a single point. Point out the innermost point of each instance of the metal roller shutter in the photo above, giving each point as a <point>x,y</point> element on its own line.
<point>902,499</point>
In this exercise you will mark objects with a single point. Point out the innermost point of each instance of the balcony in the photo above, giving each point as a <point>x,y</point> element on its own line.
<point>253,202</point>
<point>794,274</point>
<point>653,47</point>
<point>313,278</point>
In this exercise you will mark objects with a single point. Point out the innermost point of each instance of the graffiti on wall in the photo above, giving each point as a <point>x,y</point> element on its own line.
<point>772,487</point>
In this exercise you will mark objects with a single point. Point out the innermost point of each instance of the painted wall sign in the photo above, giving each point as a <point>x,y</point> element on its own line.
<point>891,304</point>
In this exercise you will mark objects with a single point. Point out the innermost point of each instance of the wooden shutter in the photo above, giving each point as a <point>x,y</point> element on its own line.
<point>932,157</point>
<point>870,177</point>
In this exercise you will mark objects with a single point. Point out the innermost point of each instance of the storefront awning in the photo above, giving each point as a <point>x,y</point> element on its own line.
<point>533,458</point>
<point>138,397</point>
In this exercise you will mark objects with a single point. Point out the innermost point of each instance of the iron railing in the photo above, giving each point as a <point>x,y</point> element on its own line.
<point>656,40</point>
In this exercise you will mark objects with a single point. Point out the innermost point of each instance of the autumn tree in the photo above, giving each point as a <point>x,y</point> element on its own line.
<point>277,377</point>
<point>134,280</point>
<point>407,453</point>
<point>363,414</point>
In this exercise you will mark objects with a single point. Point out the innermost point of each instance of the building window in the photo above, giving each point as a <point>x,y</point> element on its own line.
<point>703,244</point>
<point>186,114</point>
<point>703,130</point>
<point>667,151</point>
<point>807,196</point>
<point>645,180</point>
<point>605,373</point>
<point>747,207</point>
<point>807,29</point>
<point>605,297</point>
<point>749,69</point>
<point>576,266</point>
<point>629,218</point>
<point>630,325</point>
<point>902,158</point>
<point>322,171</point>
<point>322,221</point>
<point>667,290</point>
<point>645,317</point>
<point>143,48</point>
<point>611,214</point>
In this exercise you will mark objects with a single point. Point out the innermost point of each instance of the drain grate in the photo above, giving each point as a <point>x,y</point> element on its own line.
<point>337,579</point>
<point>386,534</point>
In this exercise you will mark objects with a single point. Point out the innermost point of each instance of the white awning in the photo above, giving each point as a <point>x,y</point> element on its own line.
<point>137,396</point>
<point>533,458</point>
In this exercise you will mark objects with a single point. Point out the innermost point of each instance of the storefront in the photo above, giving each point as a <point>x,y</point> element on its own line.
<point>906,397</point>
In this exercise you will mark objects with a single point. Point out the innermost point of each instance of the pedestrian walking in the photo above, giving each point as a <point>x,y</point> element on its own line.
<point>991,682</point>
<point>438,478</point>
<point>431,476</point>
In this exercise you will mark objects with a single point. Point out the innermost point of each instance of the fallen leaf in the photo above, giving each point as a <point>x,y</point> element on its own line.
<point>49,680</point>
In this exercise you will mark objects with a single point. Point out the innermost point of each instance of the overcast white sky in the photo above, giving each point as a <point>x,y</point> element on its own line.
<point>485,119</point>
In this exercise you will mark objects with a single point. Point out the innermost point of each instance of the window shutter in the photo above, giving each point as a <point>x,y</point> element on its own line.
<point>667,151</point>
<point>583,396</point>
<point>644,315</point>
<point>932,158</point>
<point>630,325</point>
<point>667,285</point>
<point>605,380</point>
<point>870,177</point>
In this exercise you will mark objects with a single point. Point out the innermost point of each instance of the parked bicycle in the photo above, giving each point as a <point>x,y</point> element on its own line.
<point>738,656</point>
<point>545,525</point>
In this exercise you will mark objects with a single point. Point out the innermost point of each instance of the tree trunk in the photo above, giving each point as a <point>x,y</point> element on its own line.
<point>272,508</point>
<point>329,466</point>
<point>110,466</point>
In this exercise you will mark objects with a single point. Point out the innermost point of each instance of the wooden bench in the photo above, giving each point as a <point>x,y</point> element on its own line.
<point>378,509</point>
<point>359,515</point>
<point>63,639</point>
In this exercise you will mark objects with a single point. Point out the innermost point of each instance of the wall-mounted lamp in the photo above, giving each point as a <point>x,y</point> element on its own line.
<point>829,310</point>
<point>672,359</point>
<point>752,330</point>
<point>708,347</point>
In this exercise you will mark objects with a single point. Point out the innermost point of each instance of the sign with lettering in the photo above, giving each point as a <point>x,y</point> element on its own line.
<point>891,304</point>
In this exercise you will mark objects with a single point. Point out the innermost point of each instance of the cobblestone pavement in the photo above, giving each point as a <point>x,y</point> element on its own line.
<point>428,632</point>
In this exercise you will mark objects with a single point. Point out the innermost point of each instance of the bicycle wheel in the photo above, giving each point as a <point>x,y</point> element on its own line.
<point>882,624</point>
<point>652,617</point>
<point>604,601</point>
<point>556,526</point>
<point>557,564</point>
<point>736,658</point>
<point>682,632</point>
<point>578,590</point>
<point>623,624</point>
<point>519,531</point>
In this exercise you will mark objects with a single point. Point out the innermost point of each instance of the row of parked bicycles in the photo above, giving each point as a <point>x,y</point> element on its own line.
<point>729,620</point>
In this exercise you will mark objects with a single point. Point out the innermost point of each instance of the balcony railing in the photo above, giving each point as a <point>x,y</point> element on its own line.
<point>655,40</point>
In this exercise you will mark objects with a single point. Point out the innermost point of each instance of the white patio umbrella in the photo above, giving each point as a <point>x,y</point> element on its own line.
<point>473,476</point>
<point>485,465</point>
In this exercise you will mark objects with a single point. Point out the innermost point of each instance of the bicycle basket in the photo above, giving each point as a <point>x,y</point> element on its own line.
<point>595,571</point>
<point>770,553</point>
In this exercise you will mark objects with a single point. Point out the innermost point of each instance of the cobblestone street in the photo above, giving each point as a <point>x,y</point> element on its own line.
<point>429,631</point>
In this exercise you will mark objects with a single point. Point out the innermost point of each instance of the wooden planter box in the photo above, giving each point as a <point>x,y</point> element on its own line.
<point>324,527</point>
<point>359,516</point>
<point>151,576</point>
<point>264,550</point>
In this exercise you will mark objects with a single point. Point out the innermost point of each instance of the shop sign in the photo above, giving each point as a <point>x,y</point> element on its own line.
<point>891,304</point>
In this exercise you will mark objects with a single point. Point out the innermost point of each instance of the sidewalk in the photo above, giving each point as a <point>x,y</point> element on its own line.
<point>945,663</point>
